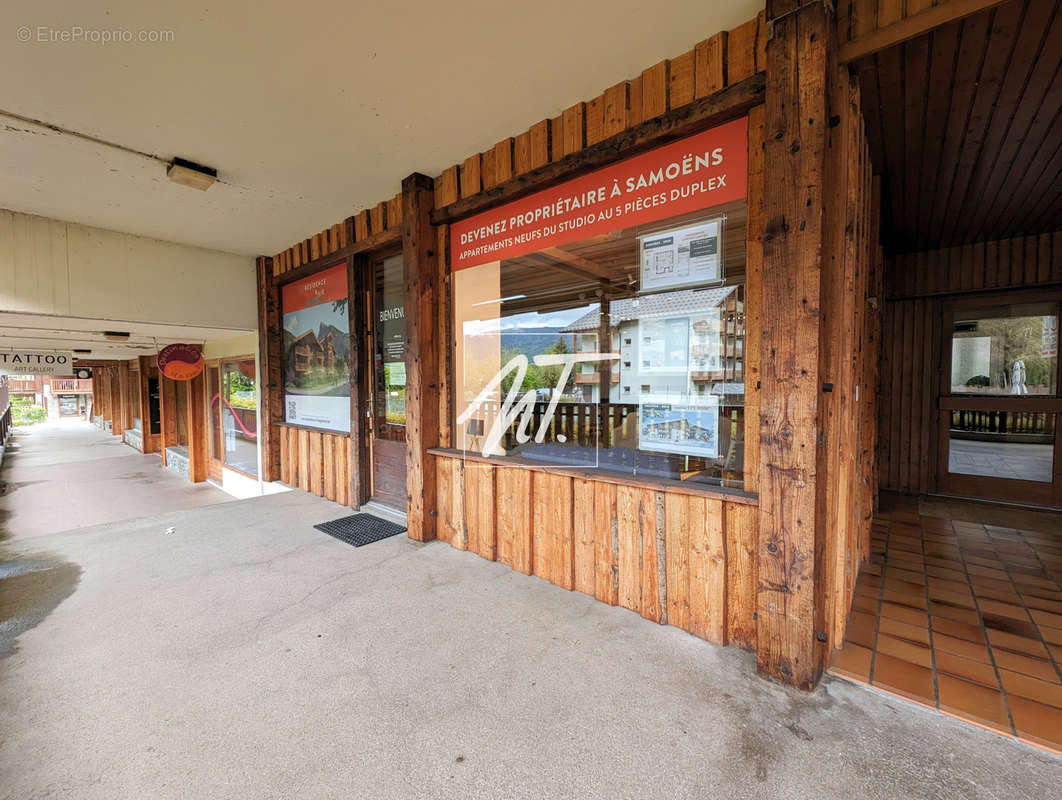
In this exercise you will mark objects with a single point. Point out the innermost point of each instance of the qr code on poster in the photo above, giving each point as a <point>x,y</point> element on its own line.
<point>291,410</point>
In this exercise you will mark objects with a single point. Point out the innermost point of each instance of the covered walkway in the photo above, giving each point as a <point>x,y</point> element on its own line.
<point>246,655</point>
<point>68,474</point>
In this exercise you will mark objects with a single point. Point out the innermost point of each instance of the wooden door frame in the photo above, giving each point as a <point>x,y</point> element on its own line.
<point>983,486</point>
<point>216,465</point>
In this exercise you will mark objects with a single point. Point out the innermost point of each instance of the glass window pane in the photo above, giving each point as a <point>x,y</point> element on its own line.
<point>390,347</point>
<point>1002,444</point>
<point>1005,350</point>
<point>239,421</point>
<point>563,357</point>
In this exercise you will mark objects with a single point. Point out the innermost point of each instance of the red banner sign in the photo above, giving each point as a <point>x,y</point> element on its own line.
<point>328,285</point>
<point>703,170</point>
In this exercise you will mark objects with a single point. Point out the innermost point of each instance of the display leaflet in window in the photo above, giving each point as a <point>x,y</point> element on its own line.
<point>682,256</point>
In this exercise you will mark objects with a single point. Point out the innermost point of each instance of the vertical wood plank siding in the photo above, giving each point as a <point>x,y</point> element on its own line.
<point>911,356</point>
<point>673,558</point>
<point>316,462</point>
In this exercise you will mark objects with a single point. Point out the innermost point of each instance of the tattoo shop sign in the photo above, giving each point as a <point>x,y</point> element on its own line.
<point>703,170</point>
<point>36,362</point>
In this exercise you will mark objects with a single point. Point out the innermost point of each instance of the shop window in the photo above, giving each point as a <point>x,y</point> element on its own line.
<point>621,352</point>
<point>238,406</point>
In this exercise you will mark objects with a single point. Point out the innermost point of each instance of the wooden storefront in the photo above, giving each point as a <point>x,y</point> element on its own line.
<point>838,334</point>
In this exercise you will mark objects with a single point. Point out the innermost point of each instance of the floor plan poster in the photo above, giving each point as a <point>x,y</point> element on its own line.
<point>682,256</point>
<point>317,351</point>
<point>691,430</point>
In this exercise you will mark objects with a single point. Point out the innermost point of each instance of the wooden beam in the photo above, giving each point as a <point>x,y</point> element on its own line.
<point>699,115</point>
<point>422,307</point>
<point>198,434</point>
<point>358,478</point>
<point>789,605</point>
<point>270,379</point>
<point>909,27</point>
<point>373,241</point>
<point>573,260</point>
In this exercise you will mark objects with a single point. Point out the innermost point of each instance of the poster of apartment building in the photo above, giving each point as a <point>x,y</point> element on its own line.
<point>317,350</point>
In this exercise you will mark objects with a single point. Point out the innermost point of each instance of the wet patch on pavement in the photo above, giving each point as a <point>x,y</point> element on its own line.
<point>31,587</point>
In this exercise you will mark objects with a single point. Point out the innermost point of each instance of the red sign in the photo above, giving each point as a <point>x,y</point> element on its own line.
<point>703,170</point>
<point>326,286</point>
<point>180,362</point>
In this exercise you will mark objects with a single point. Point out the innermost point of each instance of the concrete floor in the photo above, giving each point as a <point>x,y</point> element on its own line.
<point>67,474</point>
<point>246,655</point>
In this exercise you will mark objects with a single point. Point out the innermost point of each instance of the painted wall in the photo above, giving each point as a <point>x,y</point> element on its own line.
<point>52,267</point>
<point>244,345</point>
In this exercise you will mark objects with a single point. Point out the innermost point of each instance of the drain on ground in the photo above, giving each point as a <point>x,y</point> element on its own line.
<point>359,529</point>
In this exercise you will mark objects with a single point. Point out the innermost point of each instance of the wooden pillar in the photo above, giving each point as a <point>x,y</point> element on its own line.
<point>198,433</point>
<point>422,307</point>
<point>270,378</point>
<point>124,415</point>
<point>168,413</point>
<point>357,277</point>
<point>789,605</point>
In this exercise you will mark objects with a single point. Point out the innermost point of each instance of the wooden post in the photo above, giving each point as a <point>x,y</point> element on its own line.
<point>789,605</point>
<point>150,440</point>
<point>270,379</point>
<point>198,433</point>
<point>357,272</point>
<point>124,415</point>
<point>168,412</point>
<point>422,307</point>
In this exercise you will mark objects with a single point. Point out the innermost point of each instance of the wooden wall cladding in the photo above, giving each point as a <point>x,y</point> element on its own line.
<point>385,216</point>
<point>674,558</point>
<point>722,60</point>
<point>1021,261</point>
<point>316,462</point>
<point>911,357</point>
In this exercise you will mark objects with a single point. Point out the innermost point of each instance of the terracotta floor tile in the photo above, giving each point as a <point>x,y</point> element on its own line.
<point>974,703</point>
<point>1045,619</point>
<point>1037,723</point>
<point>963,599</point>
<point>1015,627</point>
<point>905,575</point>
<point>1027,665</point>
<point>903,630</point>
<point>852,661</point>
<point>943,584</point>
<point>946,574</point>
<point>860,632</point>
<point>1033,602</point>
<point>912,616</point>
<point>960,630</point>
<point>1008,596</point>
<point>1019,644</point>
<point>1036,583</point>
<point>960,647</point>
<point>948,611</point>
<point>903,678</point>
<point>1056,651</point>
<point>1003,609</point>
<point>868,605</point>
<point>1051,635</point>
<point>905,587</point>
<point>904,649</point>
<point>904,599</point>
<point>1031,688</point>
<point>957,667</point>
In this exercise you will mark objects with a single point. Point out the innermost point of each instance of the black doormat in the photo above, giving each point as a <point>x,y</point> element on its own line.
<point>359,529</point>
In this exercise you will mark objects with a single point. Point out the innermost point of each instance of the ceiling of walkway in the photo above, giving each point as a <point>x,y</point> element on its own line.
<point>965,125</point>
<point>71,333</point>
<point>309,111</point>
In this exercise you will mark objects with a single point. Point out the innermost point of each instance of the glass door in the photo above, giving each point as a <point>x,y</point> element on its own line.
<point>1000,402</point>
<point>388,395</point>
<point>217,449</point>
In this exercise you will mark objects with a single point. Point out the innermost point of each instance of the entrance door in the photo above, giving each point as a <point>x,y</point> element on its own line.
<point>388,391</point>
<point>1000,402</point>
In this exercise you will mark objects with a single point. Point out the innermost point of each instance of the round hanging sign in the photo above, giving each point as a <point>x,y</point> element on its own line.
<point>180,362</point>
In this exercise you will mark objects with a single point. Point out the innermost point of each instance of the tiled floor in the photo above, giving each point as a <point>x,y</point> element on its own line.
<point>964,617</point>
